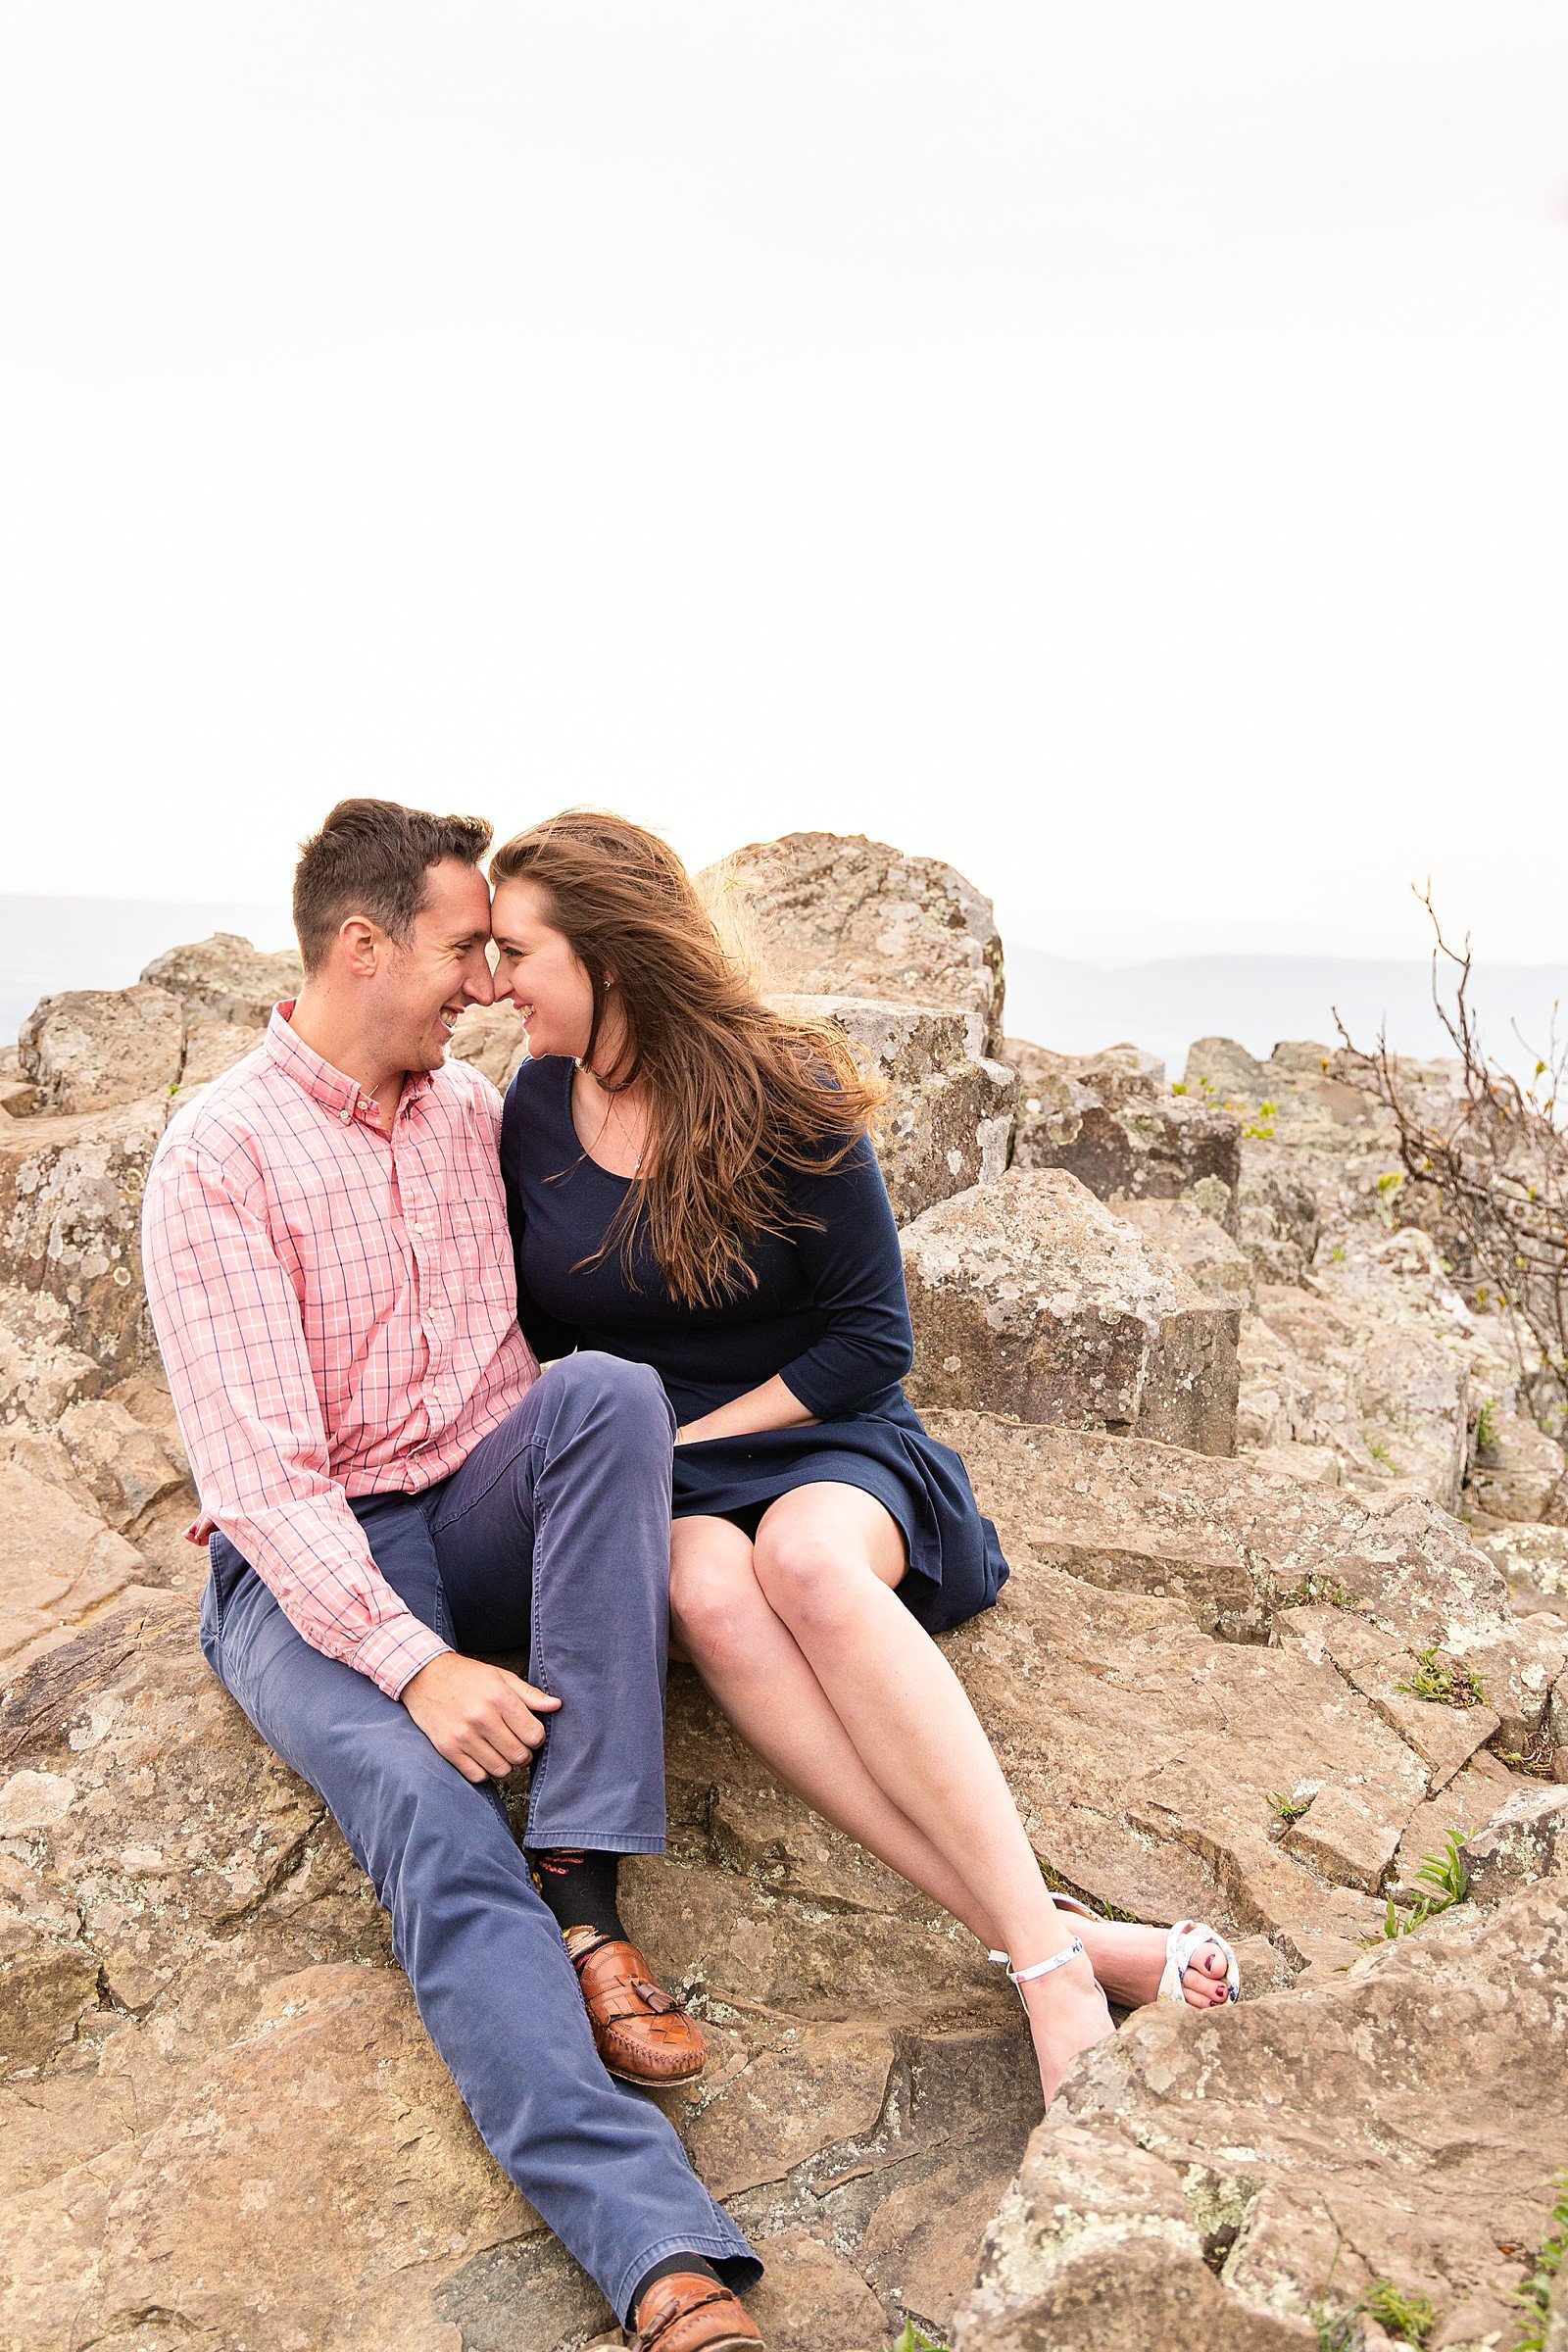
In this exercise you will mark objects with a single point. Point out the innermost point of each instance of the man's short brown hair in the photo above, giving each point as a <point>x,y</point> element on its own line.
<point>373,858</point>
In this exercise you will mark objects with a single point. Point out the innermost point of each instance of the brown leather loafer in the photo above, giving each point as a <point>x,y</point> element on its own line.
<point>688,2313</point>
<point>643,2036</point>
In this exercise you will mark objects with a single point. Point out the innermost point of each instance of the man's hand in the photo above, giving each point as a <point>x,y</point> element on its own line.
<point>480,1718</point>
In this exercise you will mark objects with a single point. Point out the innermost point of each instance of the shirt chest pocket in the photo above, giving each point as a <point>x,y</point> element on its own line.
<point>479,1247</point>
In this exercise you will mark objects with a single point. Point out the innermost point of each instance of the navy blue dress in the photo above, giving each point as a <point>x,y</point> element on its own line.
<point>828,1314</point>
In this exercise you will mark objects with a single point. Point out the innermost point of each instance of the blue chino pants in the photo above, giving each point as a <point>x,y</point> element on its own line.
<point>551,1539</point>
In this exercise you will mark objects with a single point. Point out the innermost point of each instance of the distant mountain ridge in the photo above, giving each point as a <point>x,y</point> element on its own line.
<point>1260,1000</point>
<point>53,944</point>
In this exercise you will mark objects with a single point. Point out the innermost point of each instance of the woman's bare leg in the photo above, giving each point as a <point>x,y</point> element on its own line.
<point>827,1558</point>
<point>756,1673</point>
<point>771,1704</point>
<point>755,1670</point>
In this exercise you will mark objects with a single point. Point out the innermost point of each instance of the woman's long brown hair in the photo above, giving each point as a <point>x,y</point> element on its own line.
<point>738,1095</point>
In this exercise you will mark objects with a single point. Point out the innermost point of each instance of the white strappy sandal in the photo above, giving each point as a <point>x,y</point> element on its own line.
<point>1186,1939</point>
<point>1184,1942</point>
<point>1042,1968</point>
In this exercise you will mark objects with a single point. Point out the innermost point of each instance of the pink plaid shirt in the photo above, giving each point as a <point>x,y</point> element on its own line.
<point>336,1312</point>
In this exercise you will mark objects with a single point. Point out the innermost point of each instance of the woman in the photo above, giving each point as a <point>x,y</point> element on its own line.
<point>692,1184</point>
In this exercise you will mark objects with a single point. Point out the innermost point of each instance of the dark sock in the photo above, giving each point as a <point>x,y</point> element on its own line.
<point>580,1889</point>
<point>667,2269</point>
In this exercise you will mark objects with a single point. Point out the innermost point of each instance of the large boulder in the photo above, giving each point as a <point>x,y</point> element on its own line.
<point>59,1565</point>
<point>40,1372</point>
<point>948,1120</point>
<point>1235,1539</point>
<point>1243,2180</point>
<point>1030,1297</point>
<point>1203,1249</point>
<point>1516,1470</point>
<point>225,978</point>
<point>836,914</point>
<point>93,1048</point>
<point>1111,1121</point>
<point>1526,1840</point>
<point>187,1951</point>
<point>71,1191</point>
<point>211,1049</point>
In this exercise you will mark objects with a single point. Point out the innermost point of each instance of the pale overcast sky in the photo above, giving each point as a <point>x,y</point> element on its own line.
<point>1120,449</point>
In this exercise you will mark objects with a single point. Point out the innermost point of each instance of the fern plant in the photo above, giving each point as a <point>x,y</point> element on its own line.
<point>1535,2295</point>
<point>1446,1873</point>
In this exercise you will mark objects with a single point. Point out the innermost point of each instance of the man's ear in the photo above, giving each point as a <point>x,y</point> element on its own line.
<point>361,944</point>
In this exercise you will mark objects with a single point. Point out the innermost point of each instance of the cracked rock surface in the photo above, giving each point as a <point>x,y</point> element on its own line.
<point>1265,1690</point>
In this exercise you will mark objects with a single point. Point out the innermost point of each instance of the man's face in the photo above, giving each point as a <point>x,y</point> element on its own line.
<point>425,983</point>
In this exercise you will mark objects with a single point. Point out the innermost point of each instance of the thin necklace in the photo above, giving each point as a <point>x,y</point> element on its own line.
<point>613,1112</point>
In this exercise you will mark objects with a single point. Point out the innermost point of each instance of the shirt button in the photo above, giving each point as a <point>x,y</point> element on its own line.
<point>345,1116</point>
<point>418,1231</point>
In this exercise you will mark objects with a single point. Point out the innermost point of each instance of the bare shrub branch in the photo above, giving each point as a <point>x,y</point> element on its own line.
<point>1491,1155</point>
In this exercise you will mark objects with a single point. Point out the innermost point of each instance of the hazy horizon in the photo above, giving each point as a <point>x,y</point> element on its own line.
<point>48,944</point>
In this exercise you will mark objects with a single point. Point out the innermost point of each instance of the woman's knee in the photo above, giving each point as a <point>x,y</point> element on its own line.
<point>810,1576</point>
<point>712,1606</point>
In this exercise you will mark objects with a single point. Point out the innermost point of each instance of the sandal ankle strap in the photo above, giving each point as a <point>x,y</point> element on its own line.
<point>1043,1968</point>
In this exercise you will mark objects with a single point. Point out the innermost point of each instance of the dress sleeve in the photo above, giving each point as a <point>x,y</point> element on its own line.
<point>855,1272</point>
<point>546,1334</point>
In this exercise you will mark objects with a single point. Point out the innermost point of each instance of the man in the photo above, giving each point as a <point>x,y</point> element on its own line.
<point>395,1486</point>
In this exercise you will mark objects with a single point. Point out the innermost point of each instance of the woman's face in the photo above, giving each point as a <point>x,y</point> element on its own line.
<point>539,972</point>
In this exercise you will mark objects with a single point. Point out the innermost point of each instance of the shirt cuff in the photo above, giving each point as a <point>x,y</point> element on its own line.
<point>392,1655</point>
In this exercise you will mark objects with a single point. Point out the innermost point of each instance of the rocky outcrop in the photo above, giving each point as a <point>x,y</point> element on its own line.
<point>1267,1690</point>
<point>1246,2181</point>
<point>94,1048</point>
<point>190,1950</point>
<point>1110,1120</point>
<point>70,1216</point>
<point>1515,1470</point>
<point>836,914</point>
<point>225,978</point>
<point>1205,1251</point>
<point>58,1565</point>
<point>1525,1840</point>
<point>947,1123</point>
<point>1029,1297</point>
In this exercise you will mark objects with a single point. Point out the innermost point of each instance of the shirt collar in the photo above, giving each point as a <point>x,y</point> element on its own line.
<point>335,1091</point>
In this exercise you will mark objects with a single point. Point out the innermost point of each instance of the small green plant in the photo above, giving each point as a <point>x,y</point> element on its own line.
<point>1535,2296</point>
<point>1313,1589</point>
<point>911,2340</point>
<point>1289,1808</point>
<point>1336,2330</point>
<point>1337,1254</point>
<point>1179,1086</point>
<point>1539,1754</point>
<point>1389,1183</point>
<point>1379,1453</point>
<point>1487,1426</point>
<point>1445,1682</point>
<point>1446,1873</point>
<point>1409,2315</point>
